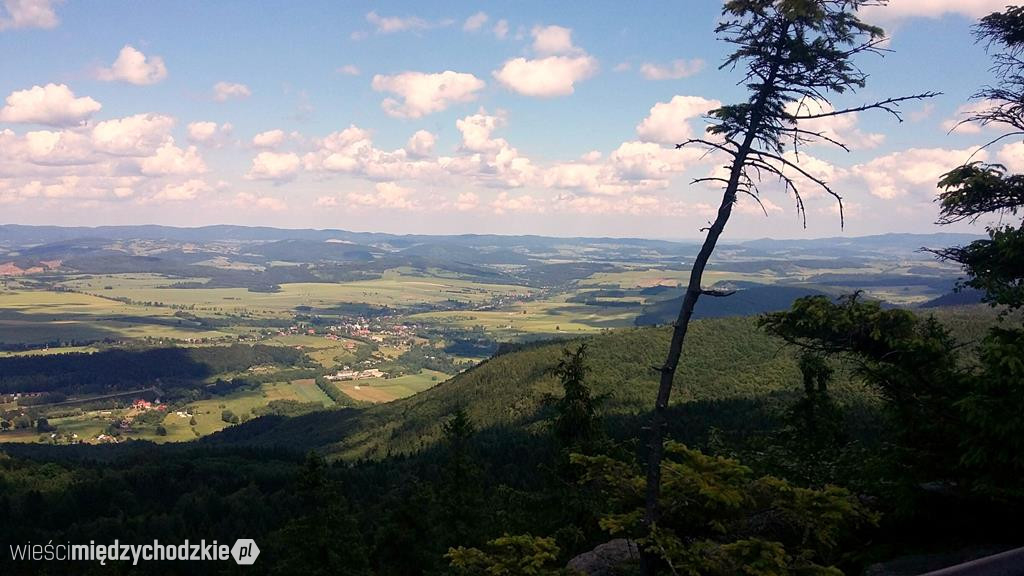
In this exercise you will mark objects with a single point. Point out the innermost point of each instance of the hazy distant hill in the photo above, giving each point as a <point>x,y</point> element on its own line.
<point>749,299</point>
<point>894,243</point>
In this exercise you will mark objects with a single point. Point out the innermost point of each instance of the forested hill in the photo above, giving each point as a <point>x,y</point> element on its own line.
<point>731,363</point>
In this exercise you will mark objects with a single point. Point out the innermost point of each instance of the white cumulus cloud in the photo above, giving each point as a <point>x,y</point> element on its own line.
<point>422,94</point>
<point>28,14</point>
<point>268,139</point>
<point>279,167</point>
<point>169,159</point>
<point>134,67</point>
<point>209,133</point>
<point>546,77</point>
<point>669,122</point>
<point>53,105</point>
<point>555,72</point>
<point>421,144</point>
<point>138,135</point>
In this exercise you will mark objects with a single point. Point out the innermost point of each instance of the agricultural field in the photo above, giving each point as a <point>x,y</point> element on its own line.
<point>32,316</point>
<point>378,390</point>
<point>207,414</point>
<point>397,287</point>
<point>541,317</point>
<point>328,353</point>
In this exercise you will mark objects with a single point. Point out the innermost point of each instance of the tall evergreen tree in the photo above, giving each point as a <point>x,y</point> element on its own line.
<point>993,438</point>
<point>796,54</point>
<point>577,425</point>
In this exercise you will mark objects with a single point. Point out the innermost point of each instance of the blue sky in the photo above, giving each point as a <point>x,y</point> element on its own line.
<point>508,117</point>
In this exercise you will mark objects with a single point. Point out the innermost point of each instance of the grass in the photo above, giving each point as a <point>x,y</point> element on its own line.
<point>207,414</point>
<point>328,353</point>
<point>36,316</point>
<point>396,287</point>
<point>385,390</point>
<point>541,317</point>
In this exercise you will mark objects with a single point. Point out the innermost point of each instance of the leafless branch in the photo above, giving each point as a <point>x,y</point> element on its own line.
<point>890,105</point>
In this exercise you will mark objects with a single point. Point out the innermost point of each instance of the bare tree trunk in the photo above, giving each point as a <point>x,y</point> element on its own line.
<point>693,292</point>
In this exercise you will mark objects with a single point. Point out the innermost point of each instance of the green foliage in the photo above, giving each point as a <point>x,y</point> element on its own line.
<point>519,555</point>
<point>993,438</point>
<point>333,392</point>
<point>912,361</point>
<point>719,518</point>
<point>995,265</point>
<point>462,492</point>
<point>793,49</point>
<point>324,537</point>
<point>576,424</point>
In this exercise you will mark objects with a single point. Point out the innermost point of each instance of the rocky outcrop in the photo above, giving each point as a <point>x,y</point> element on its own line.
<point>609,559</point>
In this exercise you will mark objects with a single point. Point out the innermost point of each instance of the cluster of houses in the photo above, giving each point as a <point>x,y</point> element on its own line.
<point>377,330</point>
<point>348,374</point>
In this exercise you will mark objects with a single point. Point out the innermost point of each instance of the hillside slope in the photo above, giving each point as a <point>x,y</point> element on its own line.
<point>734,377</point>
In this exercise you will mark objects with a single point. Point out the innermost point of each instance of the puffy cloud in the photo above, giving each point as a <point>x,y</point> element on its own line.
<point>902,9</point>
<point>249,200</point>
<point>841,128</point>
<point>351,151</point>
<point>492,160</point>
<point>916,170</point>
<point>326,202</point>
<point>57,148</point>
<point>1012,156</point>
<point>223,91</point>
<point>475,22</point>
<point>170,159</point>
<point>501,29</point>
<point>275,166</point>
<point>476,131</point>
<point>137,135</point>
<point>525,203</point>
<point>421,143</point>
<point>134,67</point>
<point>644,161</point>
<point>386,195</point>
<point>553,40</point>
<point>546,77</point>
<point>467,201</point>
<point>669,122</point>
<point>208,132</point>
<point>633,167</point>
<point>53,104</point>
<point>28,14</point>
<point>556,73</point>
<point>424,94</point>
<point>349,70</point>
<point>673,71</point>
<point>268,139</point>
<point>188,190</point>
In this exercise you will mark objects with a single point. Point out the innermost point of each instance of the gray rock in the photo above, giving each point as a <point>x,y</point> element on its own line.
<point>607,559</point>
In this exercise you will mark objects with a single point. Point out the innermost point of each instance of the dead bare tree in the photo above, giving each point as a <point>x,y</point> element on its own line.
<point>796,54</point>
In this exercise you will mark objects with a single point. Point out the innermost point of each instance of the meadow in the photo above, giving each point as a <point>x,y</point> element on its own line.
<point>378,390</point>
